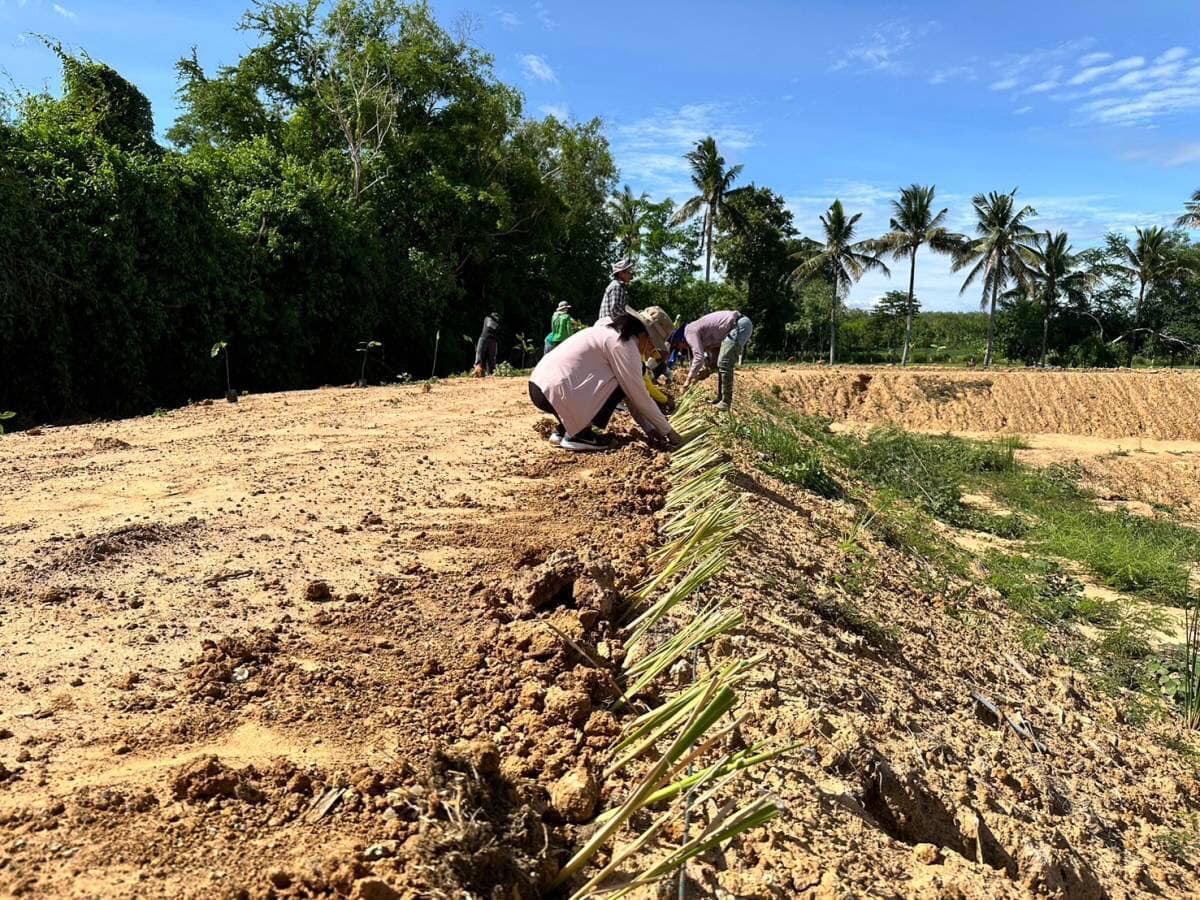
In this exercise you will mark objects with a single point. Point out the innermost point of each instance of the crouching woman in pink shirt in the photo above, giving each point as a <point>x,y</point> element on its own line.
<point>589,373</point>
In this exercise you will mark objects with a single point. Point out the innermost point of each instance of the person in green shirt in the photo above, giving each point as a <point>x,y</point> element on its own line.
<point>561,327</point>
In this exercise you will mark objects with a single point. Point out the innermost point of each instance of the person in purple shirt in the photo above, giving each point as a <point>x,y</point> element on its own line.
<point>703,338</point>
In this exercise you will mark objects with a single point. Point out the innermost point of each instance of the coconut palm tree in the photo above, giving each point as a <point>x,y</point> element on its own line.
<point>713,183</point>
<point>629,212</point>
<point>1191,216</point>
<point>999,254</point>
<point>841,257</point>
<point>1150,259</point>
<point>1055,273</point>
<point>913,225</point>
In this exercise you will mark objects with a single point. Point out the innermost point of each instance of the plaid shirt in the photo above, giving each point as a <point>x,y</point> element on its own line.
<point>616,298</point>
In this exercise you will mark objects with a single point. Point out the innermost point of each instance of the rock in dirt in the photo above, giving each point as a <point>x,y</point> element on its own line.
<point>574,796</point>
<point>208,777</point>
<point>374,889</point>
<point>549,583</point>
<point>569,706</point>
<point>927,854</point>
<point>318,592</point>
<point>482,757</point>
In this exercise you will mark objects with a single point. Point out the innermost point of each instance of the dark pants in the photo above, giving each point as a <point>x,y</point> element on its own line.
<point>601,419</point>
<point>485,353</point>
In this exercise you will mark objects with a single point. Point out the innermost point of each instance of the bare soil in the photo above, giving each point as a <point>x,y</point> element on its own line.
<point>302,647</point>
<point>238,638</point>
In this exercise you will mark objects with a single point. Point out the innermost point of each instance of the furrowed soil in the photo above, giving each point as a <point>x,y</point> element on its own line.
<point>244,647</point>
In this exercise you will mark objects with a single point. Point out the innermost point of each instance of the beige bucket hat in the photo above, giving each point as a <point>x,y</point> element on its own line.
<point>658,325</point>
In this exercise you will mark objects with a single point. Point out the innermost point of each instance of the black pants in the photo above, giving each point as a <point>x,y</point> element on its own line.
<point>485,353</point>
<point>601,419</point>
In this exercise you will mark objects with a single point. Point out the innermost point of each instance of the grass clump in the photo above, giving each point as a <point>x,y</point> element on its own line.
<point>1041,590</point>
<point>1129,553</point>
<point>1179,845</point>
<point>786,454</point>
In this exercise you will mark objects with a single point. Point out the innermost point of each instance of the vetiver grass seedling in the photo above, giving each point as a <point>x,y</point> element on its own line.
<point>219,348</point>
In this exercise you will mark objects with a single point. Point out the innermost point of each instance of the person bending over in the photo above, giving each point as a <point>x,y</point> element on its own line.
<point>704,337</point>
<point>732,349</point>
<point>589,373</point>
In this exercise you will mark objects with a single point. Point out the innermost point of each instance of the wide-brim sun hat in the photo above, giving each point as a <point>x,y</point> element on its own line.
<point>658,325</point>
<point>563,306</point>
<point>622,265</point>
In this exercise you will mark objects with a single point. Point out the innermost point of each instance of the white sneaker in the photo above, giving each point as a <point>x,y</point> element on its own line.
<point>722,406</point>
<point>555,438</point>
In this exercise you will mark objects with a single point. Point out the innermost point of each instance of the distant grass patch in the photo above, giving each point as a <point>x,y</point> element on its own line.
<point>1050,510</point>
<point>1040,590</point>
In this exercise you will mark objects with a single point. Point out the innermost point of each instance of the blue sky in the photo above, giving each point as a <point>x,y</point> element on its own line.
<point>1091,108</point>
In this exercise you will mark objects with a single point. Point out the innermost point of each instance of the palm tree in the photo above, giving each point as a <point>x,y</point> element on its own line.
<point>842,258</point>
<point>1149,260</point>
<point>712,180</point>
<point>914,224</point>
<point>1000,252</point>
<point>629,212</point>
<point>1055,272</point>
<point>1191,218</point>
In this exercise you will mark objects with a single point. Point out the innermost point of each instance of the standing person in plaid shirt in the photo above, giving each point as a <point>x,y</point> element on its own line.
<point>616,295</point>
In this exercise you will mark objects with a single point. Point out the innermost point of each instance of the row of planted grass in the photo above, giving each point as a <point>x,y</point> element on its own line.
<point>680,745</point>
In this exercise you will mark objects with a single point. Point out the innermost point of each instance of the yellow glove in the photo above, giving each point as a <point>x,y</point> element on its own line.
<point>656,394</point>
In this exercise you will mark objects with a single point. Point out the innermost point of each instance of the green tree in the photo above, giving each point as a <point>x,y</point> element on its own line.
<point>999,254</point>
<point>714,185</point>
<point>1055,273</point>
<point>913,225</point>
<point>1149,260</point>
<point>1191,215</point>
<point>629,213</point>
<point>758,257</point>
<point>840,258</point>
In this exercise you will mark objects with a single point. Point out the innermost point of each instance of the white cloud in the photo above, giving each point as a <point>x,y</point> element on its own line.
<point>543,15</point>
<point>560,111</point>
<point>507,18</point>
<point>953,73</point>
<point>885,48</point>
<point>537,68</point>
<point>1173,55</point>
<point>1022,111</point>
<point>1092,59</point>
<point>1043,65</point>
<point>650,150</point>
<point>1093,72</point>
<point>64,12</point>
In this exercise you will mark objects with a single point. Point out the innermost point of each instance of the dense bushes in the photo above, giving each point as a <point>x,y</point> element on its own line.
<point>124,261</point>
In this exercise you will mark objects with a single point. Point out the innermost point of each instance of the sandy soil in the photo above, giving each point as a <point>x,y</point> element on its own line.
<point>301,584</point>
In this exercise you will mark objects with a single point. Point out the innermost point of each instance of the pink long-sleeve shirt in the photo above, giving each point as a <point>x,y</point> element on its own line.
<point>584,370</point>
<point>704,336</point>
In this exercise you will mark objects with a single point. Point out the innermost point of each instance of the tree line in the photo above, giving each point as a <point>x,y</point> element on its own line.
<point>360,177</point>
<point>1043,302</point>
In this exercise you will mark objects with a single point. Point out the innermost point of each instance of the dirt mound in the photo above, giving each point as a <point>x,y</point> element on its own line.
<point>936,756</point>
<point>1158,405</point>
